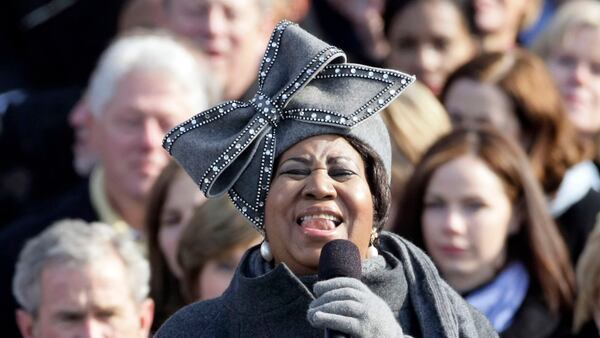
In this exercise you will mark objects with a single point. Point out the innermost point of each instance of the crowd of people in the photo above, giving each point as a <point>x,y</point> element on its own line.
<point>456,143</point>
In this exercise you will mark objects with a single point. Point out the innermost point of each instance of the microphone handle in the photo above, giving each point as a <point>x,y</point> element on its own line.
<point>334,334</point>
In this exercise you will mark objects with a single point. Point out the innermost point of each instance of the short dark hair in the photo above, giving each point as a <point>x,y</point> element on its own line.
<point>378,180</point>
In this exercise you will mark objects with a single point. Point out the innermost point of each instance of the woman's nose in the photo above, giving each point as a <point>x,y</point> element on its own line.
<point>426,59</point>
<point>454,222</point>
<point>319,185</point>
<point>581,73</point>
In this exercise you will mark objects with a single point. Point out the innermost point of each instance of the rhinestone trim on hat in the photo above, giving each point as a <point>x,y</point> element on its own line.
<point>255,211</point>
<point>308,73</point>
<point>201,119</point>
<point>270,55</point>
<point>265,112</point>
<point>379,102</point>
<point>266,107</point>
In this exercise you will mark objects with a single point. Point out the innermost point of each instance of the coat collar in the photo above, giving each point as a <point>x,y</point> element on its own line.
<point>281,287</point>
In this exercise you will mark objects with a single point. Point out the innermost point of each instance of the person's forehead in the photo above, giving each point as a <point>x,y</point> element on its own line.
<point>102,283</point>
<point>478,95</point>
<point>577,36</point>
<point>149,91</point>
<point>438,16</point>
<point>465,175</point>
<point>182,193</point>
<point>322,147</point>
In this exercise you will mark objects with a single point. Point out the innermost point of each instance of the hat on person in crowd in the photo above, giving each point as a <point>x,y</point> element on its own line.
<point>305,88</point>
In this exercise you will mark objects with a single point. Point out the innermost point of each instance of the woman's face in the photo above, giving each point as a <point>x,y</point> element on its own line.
<point>215,276</point>
<point>319,193</point>
<point>430,40</point>
<point>182,197</point>
<point>575,65</point>
<point>468,101</point>
<point>492,16</point>
<point>466,220</point>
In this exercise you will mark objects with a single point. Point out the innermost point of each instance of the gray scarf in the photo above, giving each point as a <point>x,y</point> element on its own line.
<point>407,280</point>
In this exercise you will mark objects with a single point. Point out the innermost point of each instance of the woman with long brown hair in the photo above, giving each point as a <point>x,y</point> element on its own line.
<point>170,207</point>
<point>475,207</point>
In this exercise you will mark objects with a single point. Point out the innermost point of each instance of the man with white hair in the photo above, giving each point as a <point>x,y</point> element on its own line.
<point>143,86</point>
<point>82,280</point>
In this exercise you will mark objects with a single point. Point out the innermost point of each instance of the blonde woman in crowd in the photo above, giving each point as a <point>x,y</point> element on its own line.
<point>571,48</point>
<point>415,120</point>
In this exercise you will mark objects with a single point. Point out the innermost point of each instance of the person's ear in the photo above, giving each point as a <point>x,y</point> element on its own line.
<point>25,323</point>
<point>146,316</point>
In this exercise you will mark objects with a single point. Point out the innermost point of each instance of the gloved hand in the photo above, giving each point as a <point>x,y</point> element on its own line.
<point>348,306</point>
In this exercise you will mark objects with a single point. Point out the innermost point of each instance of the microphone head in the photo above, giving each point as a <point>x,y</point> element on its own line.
<point>339,258</point>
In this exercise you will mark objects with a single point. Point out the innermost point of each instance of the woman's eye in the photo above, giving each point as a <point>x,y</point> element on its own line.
<point>440,44</point>
<point>474,205</point>
<point>595,68</point>
<point>433,204</point>
<point>406,43</point>
<point>295,172</point>
<point>567,61</point>
<point>171,220</point>
<point>340,173</point>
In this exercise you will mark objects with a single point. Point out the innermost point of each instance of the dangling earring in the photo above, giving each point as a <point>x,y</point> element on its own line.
<point>372,250</point>
<point>265,251</point>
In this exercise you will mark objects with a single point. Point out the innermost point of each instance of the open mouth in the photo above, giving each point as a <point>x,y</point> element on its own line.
<point>319,221</point>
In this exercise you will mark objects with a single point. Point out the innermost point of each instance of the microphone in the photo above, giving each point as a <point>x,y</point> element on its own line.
<point>339,258</point>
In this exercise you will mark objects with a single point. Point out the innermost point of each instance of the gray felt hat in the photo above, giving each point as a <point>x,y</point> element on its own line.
<point>305,88</point>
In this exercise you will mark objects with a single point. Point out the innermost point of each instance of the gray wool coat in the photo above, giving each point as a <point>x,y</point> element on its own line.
<point>263,301</point>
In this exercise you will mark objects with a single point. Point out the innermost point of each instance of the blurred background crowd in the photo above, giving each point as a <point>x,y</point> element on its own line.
<point>496,153</point>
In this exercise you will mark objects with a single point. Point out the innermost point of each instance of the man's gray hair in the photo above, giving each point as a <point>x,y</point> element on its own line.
<point>151,51</point>
<point>76,243</point>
